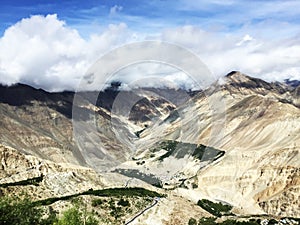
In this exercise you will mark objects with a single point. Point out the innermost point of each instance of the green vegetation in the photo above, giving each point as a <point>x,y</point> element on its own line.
<point>114,210</point>
<point>207,221</point>
<point>194,185</point>
<point>192,221</point>
<point>123,202</point>
<point>116,192</point>
<point>239,221</point>
<point>21,211</point>
<point>234,222</point>
<point>212,221</point>
<point>216,209</point>
<point>97,202</point>
<point>74,216</point>
<point>110,205</point>
<point>31,181</point>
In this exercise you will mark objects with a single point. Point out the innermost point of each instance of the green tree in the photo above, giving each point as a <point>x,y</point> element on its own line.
<point>74,216</point>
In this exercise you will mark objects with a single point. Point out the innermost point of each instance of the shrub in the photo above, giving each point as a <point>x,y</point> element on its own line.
<point>123,202</point>
<point>192,221</point>
<point>96,202</point>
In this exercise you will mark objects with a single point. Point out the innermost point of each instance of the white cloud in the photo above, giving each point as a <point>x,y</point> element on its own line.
<point>152,74</point>
<point>270,59</point>
<point>45,52</point>
<point>246,38</point>
<point>115,9</point>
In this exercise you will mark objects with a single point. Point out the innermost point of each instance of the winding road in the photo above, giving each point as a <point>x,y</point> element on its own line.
<point>155,201</point>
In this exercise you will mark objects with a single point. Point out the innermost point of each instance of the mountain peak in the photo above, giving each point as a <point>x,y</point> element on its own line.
<point>237,77</point>
<point>239,81</point>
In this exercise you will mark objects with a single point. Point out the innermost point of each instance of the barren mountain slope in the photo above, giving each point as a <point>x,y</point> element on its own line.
<point>260,134</point>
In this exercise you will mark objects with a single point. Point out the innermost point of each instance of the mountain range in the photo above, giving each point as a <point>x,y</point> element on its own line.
<point>236,142</point>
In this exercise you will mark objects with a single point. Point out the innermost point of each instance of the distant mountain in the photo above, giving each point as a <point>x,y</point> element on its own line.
<point>40,123</point>
<point>292,83</point>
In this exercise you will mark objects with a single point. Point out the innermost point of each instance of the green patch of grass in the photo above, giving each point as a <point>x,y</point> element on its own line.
<point>216,209</point>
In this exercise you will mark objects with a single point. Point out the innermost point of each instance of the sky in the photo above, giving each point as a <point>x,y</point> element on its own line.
<point>51,44</point>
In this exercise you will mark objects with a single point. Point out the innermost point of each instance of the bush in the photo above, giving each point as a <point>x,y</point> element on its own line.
<point>192,221</point>
<point>123,202</point>
<point>96,202</point>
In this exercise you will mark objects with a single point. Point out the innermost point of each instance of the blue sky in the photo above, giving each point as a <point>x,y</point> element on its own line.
<point>84,15</point>
<point>153,15</point>
<point>258,37</point>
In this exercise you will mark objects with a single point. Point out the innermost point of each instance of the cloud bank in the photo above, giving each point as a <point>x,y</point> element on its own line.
<point>45,52</point>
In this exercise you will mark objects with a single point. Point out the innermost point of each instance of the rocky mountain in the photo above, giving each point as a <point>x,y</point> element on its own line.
<point>292,83</point>
<point>236,142</point>
<point>40,123</point>
<point>260,137</point>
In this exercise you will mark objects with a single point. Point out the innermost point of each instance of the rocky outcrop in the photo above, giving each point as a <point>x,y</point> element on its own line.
<point>57,179</point>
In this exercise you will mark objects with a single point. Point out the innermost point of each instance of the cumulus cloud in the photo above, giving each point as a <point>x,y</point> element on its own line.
<point>44,52</point>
